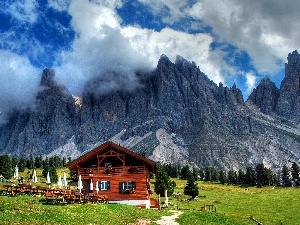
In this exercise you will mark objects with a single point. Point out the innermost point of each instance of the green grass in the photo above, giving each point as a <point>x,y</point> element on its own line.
<point>234,205</point>
<point>29,210</point>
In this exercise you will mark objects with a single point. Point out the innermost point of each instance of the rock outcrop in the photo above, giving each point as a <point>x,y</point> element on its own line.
<point>288,104</point>
<point>265,96</point>
<point>176,114</point>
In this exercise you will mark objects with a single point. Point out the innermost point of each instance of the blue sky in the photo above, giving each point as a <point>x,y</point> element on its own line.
<point>231,41</point>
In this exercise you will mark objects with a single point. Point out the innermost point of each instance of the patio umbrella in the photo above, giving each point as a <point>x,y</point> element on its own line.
<point>79,185</point>
<point>64,181</point>
<point>59,183</point>
<point>97,188</point>
<point>34,177</point>
<point>16,173</point>
<point>48,181</point>
<point>91,185</point>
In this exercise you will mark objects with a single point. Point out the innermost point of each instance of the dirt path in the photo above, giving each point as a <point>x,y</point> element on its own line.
<point>169,220</point>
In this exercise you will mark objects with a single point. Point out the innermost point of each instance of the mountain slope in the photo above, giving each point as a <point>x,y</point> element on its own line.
<point>176,115</point>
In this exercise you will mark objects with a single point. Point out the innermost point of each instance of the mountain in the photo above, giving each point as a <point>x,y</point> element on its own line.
<point>175,115</point>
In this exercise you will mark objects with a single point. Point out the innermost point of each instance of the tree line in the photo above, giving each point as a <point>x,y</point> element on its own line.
<point>251,176</point>
<point>8,164</point>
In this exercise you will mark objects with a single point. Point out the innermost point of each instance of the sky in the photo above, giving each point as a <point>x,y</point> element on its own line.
<point>232,41</point>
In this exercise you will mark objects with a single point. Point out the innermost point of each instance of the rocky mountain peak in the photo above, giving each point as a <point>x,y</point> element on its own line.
<point>265,96</point>
<point>48,78</point>
<point>289,98</point>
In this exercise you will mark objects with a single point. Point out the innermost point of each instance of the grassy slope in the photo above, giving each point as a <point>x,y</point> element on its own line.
<point>234,206</point>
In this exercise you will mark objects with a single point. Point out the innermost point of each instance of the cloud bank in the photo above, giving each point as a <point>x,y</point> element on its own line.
<point>88,39</point>
<point>19,82</point>
<point>103,46</point>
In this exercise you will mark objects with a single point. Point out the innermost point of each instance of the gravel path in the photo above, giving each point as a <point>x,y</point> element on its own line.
<point>169,220</point>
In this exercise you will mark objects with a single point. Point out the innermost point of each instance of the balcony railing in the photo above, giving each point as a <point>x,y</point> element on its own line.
<point>112,170</point>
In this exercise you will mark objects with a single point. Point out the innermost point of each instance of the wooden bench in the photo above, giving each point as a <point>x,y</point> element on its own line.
<point>50,198</point>
<point>209,207</point>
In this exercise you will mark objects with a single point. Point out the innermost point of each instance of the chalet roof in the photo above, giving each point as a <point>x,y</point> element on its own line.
<point>105,146</point>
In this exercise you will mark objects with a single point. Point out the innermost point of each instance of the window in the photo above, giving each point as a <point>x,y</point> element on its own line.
<point>104,185</point>
<point>127,187</point>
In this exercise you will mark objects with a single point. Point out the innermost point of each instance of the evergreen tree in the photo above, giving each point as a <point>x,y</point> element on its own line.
<point>286,177</point>
<point>196,173</point>
<point>6,169</point>
<point>263,175</point>
<point>46,167</point>
<point>295,170</point>
<point>241,177</point>
<point>214,174</point>
<point>201,174</point>
<point>163,182</point>
<point>14,161</point>
<point>183,172</point>
<point>53,174</point>
<point>222,177</point>
<point>250,176</point>
<point>38,162</point>
<point>207,174</point>
<point>232,177</point>
<point>171,170</point>
<point>64,162</point>
<point>22,164</point>
<point>191,187</point>
<point>30,163</point>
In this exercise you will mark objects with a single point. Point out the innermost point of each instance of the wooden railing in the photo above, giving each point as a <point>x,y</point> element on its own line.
<point>112,170</point>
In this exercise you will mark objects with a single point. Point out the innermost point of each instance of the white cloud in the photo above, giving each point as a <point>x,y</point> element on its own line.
<point>103,45</point>
<point>266,30</point>
<point>19,82</point>
<point>250,81</point>
<point>59,5</point>
<point>22,10</point>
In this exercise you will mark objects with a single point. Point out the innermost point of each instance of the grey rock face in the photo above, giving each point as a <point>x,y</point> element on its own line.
<point>176,114</point>
<point>44,128</point>
<point>265,96</point>
<point>289,99</point>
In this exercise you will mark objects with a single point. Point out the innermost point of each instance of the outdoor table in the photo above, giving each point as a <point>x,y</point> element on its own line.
<point>79,197</point>
<point>9,189</point>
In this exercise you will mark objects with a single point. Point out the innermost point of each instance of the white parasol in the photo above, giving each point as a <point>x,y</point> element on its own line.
<point>34,177</point>
<point>16,173</point>
<point>48,180</point>
<point>64,181</point>
<point>59,183</point>
<point>79,185</point>
<point>91,185</point>
<point>97,188</point>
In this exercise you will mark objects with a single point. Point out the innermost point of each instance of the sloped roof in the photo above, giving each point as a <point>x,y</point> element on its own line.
<point>105,146</point>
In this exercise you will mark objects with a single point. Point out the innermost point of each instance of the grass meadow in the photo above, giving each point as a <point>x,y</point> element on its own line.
<point>233,205</point>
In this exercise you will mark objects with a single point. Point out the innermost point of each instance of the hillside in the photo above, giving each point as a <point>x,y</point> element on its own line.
<point>175,115</point>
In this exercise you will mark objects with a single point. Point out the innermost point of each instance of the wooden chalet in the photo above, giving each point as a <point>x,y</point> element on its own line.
<point>121,174</point>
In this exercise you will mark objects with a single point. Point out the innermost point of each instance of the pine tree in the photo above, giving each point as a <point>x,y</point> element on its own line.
<point>191,187</point>
<point>285,176</point>
<point>14,161</point>
<point>232,177</point>
<point>222,177</point>
<point>53,174</point>
<point>22,164</point>
<point>295,174</point>
<point>241,177</point>
<point>38,162</point>
<point>183,172</point>
<point>30,163</point>
<point>163,182</point>
<point>6,169</point>
<point>46,168</point>
<point>250,176</point>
